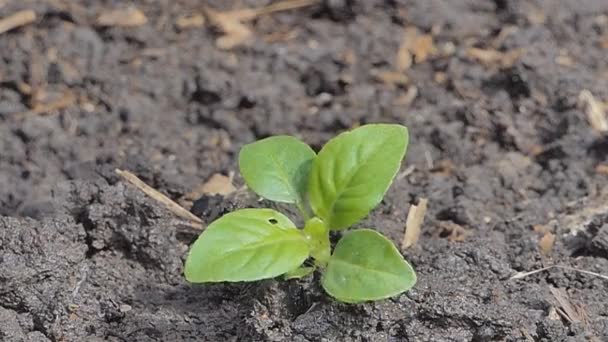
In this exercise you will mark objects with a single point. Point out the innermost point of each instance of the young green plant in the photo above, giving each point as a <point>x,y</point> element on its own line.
<point>333,190</point>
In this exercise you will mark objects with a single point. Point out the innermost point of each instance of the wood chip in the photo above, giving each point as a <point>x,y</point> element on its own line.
<point>191,21</point>
<point>16,20</point>
<point>231,23</point>
<point>413,225</point>
<point>604,41</point>
<point>390,78</point>
<point>453,231</point>
<point>564,60</point>
<point>440,77</point>
<point>541,228</point>
<point>159,197</point>
<point>414,48</point>
<point>494,57</point>
<point>404,56</point>
<point>546,243</point>
<point>406,99</point>
<point>595,111</point>
<point>602,169</point>
<point>536,15</point>
<point>444,167</point>
<point>66,100</point>
<point>126,17</point>
<point>423,48</point>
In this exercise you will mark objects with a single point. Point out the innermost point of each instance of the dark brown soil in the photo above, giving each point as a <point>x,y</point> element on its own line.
<point>499,149</point>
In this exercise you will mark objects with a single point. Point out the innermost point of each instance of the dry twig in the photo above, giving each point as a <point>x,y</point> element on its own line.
<point>154,194</point>
<point>16,20</point>
<point>520,275</point>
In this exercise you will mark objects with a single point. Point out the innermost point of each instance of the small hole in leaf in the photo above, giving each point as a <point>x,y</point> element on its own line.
<point>273,221</point>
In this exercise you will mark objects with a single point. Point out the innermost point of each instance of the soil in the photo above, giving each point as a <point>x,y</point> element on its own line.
<point>501,148</point>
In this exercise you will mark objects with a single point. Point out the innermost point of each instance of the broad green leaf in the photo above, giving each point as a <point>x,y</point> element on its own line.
<point>246,245</point>
<point>277,168</point>
<point>366,266</point>
<point>353,171</point>
<point>299,272</point>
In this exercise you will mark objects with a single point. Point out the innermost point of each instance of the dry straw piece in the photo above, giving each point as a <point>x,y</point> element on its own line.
<point>128,17</point>
<point>413,225</point>
<point>231,23</point>
<point>154,194</point>
<point>595,111</point>
<point>16,20</point>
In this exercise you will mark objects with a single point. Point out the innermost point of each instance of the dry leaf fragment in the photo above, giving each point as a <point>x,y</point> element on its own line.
<point>602,169</point>
<point>16,20</point>
<point>453,231</point>
<point>604,41</point>
<point>126,17</point>
<point>536,16</point>
<point>414,47</point>
<point>218,184</point>
<point>541,228</point>
<point>423,47</point>
<point>231,23</point>
<point>404,55</point>
<point>595,111</point>
<point>413,225</point>
<point>564,60</point>
<point>65,100</point>
<point>546,243</point>
<point>191,21</point>
<point>571,312</point>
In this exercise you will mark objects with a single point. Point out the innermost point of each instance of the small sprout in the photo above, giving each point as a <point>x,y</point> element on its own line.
<point>332,190</point>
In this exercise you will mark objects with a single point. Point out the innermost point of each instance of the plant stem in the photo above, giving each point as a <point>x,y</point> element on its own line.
<point>318,235</point>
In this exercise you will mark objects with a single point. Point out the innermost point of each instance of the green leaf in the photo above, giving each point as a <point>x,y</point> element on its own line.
<point>353,171</point>
<point>299,272</point>
<point>366,266</point>
<point>277,168</point>
<point>246,245</point>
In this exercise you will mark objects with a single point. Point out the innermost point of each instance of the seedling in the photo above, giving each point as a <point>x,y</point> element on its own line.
<point>332,190</point>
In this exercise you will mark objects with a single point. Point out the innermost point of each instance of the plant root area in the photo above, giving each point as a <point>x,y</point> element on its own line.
<point>506,104</point>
